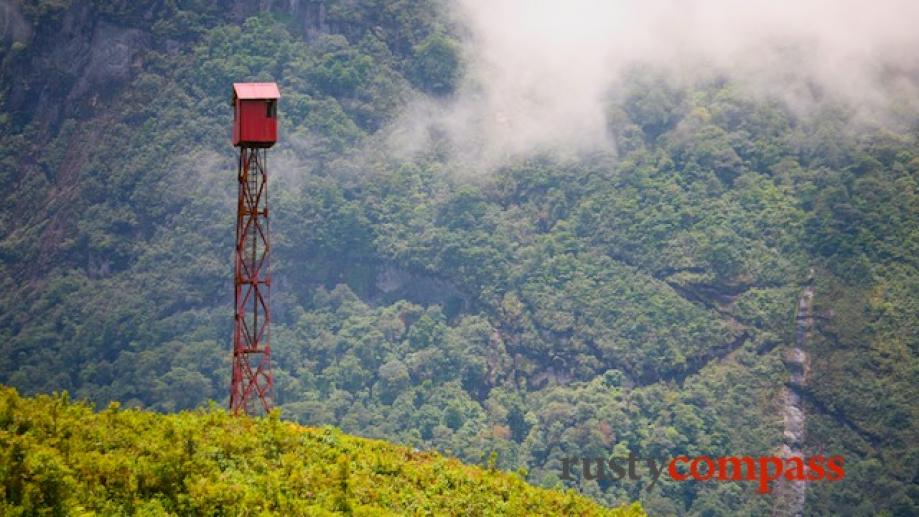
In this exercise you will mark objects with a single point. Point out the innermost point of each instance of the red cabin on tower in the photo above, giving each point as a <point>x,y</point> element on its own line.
<point>255,114</point>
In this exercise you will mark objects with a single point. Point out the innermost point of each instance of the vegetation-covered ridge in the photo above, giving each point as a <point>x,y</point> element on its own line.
<point>62,457</point>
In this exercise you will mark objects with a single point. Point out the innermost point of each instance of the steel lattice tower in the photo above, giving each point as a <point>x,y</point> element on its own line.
<point>255,129</point>
<point>252,381</point>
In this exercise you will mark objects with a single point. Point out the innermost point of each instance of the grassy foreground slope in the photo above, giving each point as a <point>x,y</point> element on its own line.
<point>60,457</point>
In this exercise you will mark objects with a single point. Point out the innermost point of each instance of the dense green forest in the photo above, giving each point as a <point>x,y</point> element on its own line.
<point>638,298</point>
<point>63,458</point>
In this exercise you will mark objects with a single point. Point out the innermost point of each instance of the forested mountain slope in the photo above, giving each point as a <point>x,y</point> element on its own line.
<point>641,297</point>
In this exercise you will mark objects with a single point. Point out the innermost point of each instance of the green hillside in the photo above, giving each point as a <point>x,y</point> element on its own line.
<point>640,297</point>
<point>62,458</point>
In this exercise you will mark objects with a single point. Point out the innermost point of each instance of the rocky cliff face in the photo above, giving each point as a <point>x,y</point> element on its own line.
<point>64,60</point>
<point>71,64</point>
<point>13,25</point>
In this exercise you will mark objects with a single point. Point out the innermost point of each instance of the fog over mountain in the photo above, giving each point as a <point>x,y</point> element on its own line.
<point>540,73</point>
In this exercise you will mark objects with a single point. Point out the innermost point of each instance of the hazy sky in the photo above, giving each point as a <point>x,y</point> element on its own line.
<point>539,72</point>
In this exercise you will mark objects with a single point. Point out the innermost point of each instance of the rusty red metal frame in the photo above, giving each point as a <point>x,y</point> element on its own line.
<point>251,385</point>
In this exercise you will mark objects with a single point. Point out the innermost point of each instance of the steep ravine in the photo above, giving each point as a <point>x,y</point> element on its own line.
<point>790,495</point>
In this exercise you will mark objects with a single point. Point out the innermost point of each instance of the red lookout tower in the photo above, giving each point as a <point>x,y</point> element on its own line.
<point>255,129</point>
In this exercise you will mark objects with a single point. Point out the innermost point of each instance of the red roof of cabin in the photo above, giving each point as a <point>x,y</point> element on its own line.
<point>256,91</point>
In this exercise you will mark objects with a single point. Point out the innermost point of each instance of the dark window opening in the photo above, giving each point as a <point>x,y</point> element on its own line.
<point>272,109</point>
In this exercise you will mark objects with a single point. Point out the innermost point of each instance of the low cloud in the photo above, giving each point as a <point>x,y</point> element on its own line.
<point>539,74</point>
